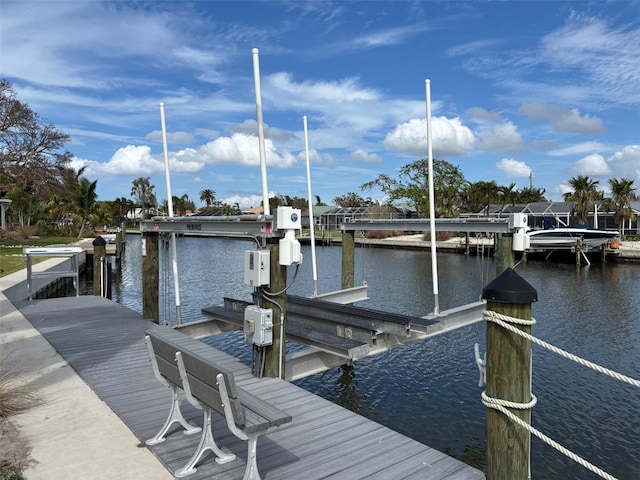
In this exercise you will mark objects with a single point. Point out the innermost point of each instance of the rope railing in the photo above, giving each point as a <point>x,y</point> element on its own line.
<point>501,405</point>
<point>501,320</point>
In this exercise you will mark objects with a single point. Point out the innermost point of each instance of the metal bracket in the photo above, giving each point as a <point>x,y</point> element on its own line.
<point>482,365</point>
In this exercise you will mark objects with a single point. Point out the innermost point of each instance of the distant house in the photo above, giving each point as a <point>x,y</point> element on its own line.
<point>334,217</point>
<point>545,214</point>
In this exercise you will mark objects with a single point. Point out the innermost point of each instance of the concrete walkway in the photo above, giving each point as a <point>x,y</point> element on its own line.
<point>68,431</point>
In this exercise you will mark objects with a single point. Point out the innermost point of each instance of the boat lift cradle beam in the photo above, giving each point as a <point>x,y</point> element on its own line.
<point>261,225</point>
<point>250,226</point>
<point>422,225</point>
<point>349,333</point>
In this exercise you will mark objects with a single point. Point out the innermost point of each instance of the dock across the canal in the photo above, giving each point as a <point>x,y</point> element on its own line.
<point>104,343</point>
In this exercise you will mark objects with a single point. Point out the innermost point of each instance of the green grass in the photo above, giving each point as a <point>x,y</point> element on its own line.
<point>12,259</point>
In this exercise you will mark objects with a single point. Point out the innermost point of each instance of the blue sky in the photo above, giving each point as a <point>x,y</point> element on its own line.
<point>517,87</point>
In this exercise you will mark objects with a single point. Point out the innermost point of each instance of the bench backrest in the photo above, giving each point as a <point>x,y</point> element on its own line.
<point>165,355</point>
<point>202,376</point>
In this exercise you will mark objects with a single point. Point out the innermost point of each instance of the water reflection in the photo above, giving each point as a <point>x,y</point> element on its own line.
<point>346,392</point>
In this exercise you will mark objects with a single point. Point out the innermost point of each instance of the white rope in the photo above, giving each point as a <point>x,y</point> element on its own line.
<point>497,404</point>
<point>501,320</point>
<point>502,405</point>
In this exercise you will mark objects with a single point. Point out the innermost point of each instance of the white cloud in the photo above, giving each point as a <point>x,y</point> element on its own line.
<point>578,149</point>
<point>347,106</point>
<point>471,47</point>
<point>503,137</point>
<point>137,160</point>
<point>626,163</point>
<point>361,155</point>
<point>245,201</point>
<point>391,36</point>
<point>591,165</point>
<point>241,149</point>
<point>563,119</point>
<point>172,137</point>
<point>607,58</point>
<point>449,136</point>
<point>513,168</point>
<point>250,127</point>
<point>346,90</point>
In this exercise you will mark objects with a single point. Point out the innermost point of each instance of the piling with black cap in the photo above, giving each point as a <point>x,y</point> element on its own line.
<point>150,276</point>
<point>508,376</point>
<point>99,252</point>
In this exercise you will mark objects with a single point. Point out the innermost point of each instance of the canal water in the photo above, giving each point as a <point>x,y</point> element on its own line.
<point>429,390</point>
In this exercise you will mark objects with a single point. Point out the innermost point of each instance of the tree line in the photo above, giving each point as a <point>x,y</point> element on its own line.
<point>50,195</point>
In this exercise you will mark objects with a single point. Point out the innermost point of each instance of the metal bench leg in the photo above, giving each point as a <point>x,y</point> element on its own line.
<point>175,415</point>
<point>251,472</point>
<point>206,443</point>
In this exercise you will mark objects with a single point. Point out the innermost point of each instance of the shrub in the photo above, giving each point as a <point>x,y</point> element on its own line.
<point>15,395</point>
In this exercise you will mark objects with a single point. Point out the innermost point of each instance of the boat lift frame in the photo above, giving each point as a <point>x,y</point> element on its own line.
<point>319,354</point>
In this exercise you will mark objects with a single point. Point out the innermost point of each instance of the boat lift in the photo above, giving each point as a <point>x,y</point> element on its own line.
<point>332,329</point>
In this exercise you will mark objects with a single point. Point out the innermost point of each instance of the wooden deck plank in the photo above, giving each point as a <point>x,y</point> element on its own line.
<point>104,343</point>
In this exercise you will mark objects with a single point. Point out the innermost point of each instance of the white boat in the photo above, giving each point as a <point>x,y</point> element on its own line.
<point>567,238</point>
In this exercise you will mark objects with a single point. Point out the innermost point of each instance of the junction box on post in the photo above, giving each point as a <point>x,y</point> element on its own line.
<point>258,325</point>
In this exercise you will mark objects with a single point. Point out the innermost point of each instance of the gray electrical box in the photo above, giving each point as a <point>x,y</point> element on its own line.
<point>257,270</point>
<point>258,325</point>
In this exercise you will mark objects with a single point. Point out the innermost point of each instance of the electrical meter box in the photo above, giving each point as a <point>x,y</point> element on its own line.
<point>518,220</point>
<point>288,218</point>
<point>257,269</point>
<point>258,325</point>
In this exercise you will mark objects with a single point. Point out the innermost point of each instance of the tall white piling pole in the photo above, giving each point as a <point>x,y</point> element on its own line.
<point>263,157</point>
<point>432,209</point>
<point>174,255</point>
<point>311,219</point>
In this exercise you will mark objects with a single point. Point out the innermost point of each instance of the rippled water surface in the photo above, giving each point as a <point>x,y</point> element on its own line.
<point>429,390</point>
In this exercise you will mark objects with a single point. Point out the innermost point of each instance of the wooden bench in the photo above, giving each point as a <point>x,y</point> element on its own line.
<point>213,388</point>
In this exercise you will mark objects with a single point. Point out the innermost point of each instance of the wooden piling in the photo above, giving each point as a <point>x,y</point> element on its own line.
<point>277,284</point>
<point>508,377</point>
<point>150,277</point>
<point>121,241</point>
<point>99,253</point>
<point>348,259</point>
<point>504,255</point>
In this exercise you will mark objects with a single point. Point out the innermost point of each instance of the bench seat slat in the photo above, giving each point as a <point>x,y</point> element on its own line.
<point>256,406</point>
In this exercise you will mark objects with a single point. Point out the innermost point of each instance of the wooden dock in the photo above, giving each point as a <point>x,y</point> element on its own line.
<point>104,343</point>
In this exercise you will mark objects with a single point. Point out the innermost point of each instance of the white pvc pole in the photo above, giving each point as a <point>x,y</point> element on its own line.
<point>311,219</point>
<point>174,255</point>
<point>432,209</point>
<point>263,159</point>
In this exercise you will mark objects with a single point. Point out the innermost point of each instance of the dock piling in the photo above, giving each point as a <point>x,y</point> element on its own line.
<point>348,259</point>
<point>99,253</point>
<point>508,377</point>
<point>150,276</point>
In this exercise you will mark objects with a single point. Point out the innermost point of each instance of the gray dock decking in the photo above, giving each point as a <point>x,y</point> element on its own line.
<point>104,343</point>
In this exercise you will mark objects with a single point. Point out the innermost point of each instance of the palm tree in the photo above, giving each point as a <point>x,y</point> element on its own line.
<point>507,194</point>
<point>480,195</point>
<point>85,201</point>
<point>622,194</point>
<point>584,191</point>
<point>142,191</point>
<point>208,196</point>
